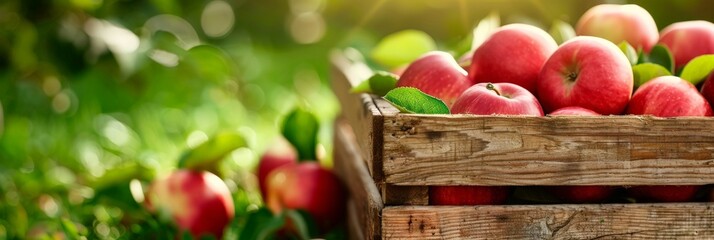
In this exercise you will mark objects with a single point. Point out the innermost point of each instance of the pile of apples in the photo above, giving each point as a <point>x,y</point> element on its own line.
<point>520,70</point>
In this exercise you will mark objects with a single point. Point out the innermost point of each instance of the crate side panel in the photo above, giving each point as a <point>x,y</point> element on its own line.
<point>515,150</point>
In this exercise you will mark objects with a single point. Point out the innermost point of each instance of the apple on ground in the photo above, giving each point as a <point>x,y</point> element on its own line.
<point>197,201</point>
<point>280,153</point>
<point>708,89</point>
<point>437,74</point>
<point>486,99</point>
<point>579,194</point>
<point>515,53</point>
<point>619,23</point>
<point>587,72</point>
<point>687,40</point>
<point>498,99</point>
<point>309,187</point>
<point>667,96</point>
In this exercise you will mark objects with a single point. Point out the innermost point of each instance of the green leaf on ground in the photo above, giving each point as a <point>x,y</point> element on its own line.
<point>698,69</point>
<point>300,128</point>
<point>629,52</point>
<point>412,100</point>
<point>647,71</point>
<point>402,48</point>
<point>561,31</point>
<point>207,155</point>
<point>262,224</point>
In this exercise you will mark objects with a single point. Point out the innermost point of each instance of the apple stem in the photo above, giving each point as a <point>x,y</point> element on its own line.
<point>490,86</point>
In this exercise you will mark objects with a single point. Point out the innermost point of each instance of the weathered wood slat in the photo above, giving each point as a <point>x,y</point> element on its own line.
<point>360,110</point>
<point>366,203</point>
<point>511,150</point>
<point>609,221</point>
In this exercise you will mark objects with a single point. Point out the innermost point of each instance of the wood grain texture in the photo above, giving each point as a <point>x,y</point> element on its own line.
<point>366,203</point>
<point>608,221</point>
<point>517,150</point>
<point>359,110</point>
<point>404,195</point>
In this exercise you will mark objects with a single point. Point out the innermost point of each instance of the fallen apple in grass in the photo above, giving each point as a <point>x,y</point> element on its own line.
<point>515,53</point>
<point>619,23</point>
<point>280,153</point>
<point>437,74</point>
<point>197,201</point>
<point>587,72</point>
<point>310,187</point>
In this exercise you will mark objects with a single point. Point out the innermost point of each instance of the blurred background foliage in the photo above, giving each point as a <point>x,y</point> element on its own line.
<point>99,96</point>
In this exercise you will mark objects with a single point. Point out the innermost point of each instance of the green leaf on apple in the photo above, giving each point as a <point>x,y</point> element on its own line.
<point>412,100</point>
<point>262,224</point>
<point>561,31</point>
<point>402,48</point>
<point>300,128</point>
<point>484,29</point>
<point>698,69</point>
<point>647,71</point>
<point>207,155</point>
<point>629,52</point>
<point>380,83</point>
<point>661,55</point>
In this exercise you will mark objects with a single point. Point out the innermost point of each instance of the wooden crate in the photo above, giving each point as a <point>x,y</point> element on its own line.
<point>389,159</point>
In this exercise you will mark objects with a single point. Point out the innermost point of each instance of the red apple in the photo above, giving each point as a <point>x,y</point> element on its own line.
<point>688,40</point>
<point>574,111</point>
<point>515,53</point>
<point>619,23</point>
<point>579,194</point>
<point>467,195</point>
<point>664,193</point>
<point>708,89</point>
<point>497,98</point>
<point>310,187</point>
<point>668,96</point>
<point>437,74</point>
<point>197,201</point>
<point>280,153</point>
<point>588,72</point>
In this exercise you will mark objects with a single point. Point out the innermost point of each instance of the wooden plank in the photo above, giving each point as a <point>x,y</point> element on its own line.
<point>511,150</point>
<point>350,167</point>
<point>404,195</point>
<point>359,110</point>
<point>609,221</point>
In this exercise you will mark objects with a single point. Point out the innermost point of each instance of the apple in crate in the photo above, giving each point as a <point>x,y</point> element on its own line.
<point>667,96</point>
<point>579,194</point>
<point>197,201</point>
<point>587,72</point>
<point>515,53</point>
<point>437,74</point>
<point>708,89</point>
<point>309,187</point>
<point>486,99</point>
<point>687,40</point>
<point>280,153</point>
<point>619,23</point>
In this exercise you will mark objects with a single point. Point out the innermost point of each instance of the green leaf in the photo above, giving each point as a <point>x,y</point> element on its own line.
<point>69,229</point>
<point>484,29</point>
<point>412,100</point>
<point>661,55</point>
<point>629,52</point>
<point>561,31</point>
<point>207,155</point>
<point>262,224</point>
<point>380,83</point>
<point>402,48</point>
<point>300,128</point>
<point>698,69</point>
<point>303,224</point>
<point>647,71</point>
